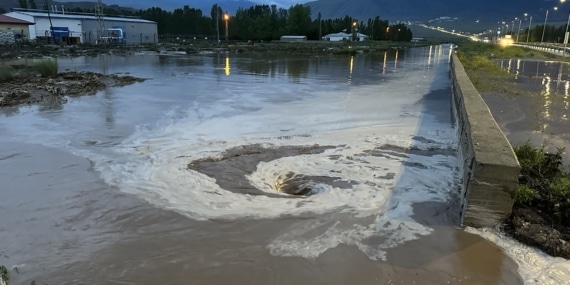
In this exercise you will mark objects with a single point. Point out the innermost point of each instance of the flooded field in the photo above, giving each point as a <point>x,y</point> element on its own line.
<point>541,112</point>
<point>179,179</point>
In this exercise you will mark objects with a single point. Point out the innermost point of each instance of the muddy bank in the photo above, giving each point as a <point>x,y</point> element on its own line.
<point>33,50</point>
<point>535,227</point>
<point>32,89</point>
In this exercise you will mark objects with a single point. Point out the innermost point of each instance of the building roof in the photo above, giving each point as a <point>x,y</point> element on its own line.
<point>80,17</point>
<point>9,20</point>
<point>293,37</point>
<point>341,34</point>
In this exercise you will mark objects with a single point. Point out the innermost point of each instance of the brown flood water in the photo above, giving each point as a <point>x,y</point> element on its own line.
<point>66,227</point>
<point>62,223</point>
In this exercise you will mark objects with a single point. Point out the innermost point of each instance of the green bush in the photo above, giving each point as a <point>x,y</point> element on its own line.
<point>524,194</point>
<point>6,74</point>
<point>46,67</point>
<point>543,183</point>
<point>560,186</point>
<point>4,273</point>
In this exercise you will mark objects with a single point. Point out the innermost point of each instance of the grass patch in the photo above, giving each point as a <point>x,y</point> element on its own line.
<point>46,67</point>
<point>6,74</point>
<point>543,183</point>
<point>479,60</point>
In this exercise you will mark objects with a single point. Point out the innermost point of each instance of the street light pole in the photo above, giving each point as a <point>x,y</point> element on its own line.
<point>354,31</point>
<point>544,28</point>
<point>226,18</point>
<point>566,34</point>
<point>519,30</point>
<point>529,24</point>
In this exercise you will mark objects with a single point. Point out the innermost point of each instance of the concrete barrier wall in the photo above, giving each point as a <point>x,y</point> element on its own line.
<point>490,166</point>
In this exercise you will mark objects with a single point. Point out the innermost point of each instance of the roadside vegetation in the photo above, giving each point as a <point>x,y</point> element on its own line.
<point>544,182</point>
<point>541,213</point>
<point>480,62</point>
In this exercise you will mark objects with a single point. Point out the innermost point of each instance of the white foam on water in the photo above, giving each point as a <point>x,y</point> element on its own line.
<point>152,164</point>
<point>535,266</point>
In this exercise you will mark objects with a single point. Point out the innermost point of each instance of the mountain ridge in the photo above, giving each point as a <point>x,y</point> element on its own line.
<point>475,15</point>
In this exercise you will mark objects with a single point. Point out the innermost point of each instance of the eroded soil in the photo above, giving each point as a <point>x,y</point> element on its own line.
<point>33,89</point>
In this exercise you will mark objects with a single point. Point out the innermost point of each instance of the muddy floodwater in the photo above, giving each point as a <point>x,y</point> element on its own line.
<point>189,177</point>
<point>540,112</point>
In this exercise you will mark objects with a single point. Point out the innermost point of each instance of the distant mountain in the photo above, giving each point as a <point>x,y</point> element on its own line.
<point>473,15</point>
<point>477,13</point>
<point>83,4</point>
<point>169,5</point>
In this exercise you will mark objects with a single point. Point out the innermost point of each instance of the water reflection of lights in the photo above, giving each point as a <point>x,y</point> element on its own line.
<point>227,67</point>
<point>384,66</point>
<point>566,103</point>
<point>396,59</point>
<point>554,98</point>
<point>429,56</point>
<point>350,66</point>
<point>547,99</point>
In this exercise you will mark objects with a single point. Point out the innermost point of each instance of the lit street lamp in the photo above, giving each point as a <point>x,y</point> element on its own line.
<point>226,18</point>
<point>519,30</point>
<point>566,34</point>
<point>529,23</point>
<point>546,19</point>
<point>354,31</point>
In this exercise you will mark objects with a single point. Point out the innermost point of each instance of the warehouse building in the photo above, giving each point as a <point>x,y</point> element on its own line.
<point>83,28</point>
<point>12,29</point>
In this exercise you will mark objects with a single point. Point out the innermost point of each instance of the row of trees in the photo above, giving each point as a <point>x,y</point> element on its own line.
<point>259,22</point>
<point>552,34</point>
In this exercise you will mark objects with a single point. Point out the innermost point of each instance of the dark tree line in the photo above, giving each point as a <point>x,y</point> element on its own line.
<point>552,34</point>
<point>259,22</point>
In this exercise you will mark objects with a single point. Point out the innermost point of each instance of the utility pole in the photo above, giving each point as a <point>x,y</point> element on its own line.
<point>218,22</point>
<point>566,34</point>
<point>519,30</point>
<point>50,23</point>
<point>320,30</point>
<point>529,23</point>
<point>100,20</point>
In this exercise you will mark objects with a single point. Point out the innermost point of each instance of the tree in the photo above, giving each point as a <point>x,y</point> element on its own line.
<point>33,4</point>
<point>299,20</point>
<point>23,4</point>
<point>217,17</point>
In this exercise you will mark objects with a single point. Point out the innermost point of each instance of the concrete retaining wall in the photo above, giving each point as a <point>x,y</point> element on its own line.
<point>490,166</point>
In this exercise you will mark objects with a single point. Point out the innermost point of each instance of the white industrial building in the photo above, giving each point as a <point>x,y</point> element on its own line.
<point>83,28</point>
<point>337,37</point>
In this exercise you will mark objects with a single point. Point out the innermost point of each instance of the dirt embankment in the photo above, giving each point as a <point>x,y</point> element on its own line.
<point>535,227</point>
<point>32,89</point>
